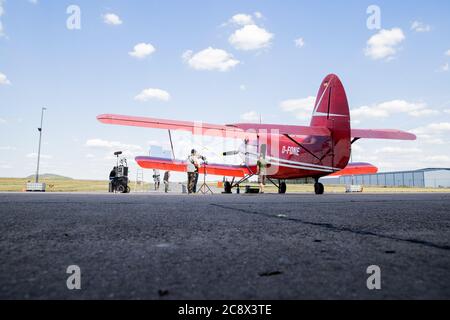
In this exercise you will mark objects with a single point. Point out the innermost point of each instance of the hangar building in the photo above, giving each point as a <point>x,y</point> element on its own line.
<point>423,178</point>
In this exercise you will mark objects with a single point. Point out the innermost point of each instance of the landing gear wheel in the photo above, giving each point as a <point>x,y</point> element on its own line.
<point>128,190</point>
<point>120,189</point>
<point>319,188</point>
<point>227,187</point>
<point>282,188</point>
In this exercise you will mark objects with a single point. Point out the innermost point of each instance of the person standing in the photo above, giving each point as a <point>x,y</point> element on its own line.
<point>166,181</point>
<point>192,171</point>
<point>156,178</point>
<point>262,172</point>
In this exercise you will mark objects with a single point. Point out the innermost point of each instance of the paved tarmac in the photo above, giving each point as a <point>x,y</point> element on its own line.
<point>224,246</point>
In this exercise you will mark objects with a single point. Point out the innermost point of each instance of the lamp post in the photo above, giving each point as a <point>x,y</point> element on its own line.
<point>40,140</point>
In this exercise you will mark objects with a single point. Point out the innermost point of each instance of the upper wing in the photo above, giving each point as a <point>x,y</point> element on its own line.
<point>284,129</point>
<point>237,131</point>
<point>196,128</point>
<point>382,134</point>
<point>181,166</point>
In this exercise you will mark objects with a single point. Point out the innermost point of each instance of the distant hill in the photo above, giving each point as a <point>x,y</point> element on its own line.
<point>49,176</point>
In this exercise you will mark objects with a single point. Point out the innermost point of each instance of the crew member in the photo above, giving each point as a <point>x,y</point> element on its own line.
<point>156,179</point>
<point>193,165</point>
<point>112,178</point>
<point>166,181</point>
<point>262,172</point>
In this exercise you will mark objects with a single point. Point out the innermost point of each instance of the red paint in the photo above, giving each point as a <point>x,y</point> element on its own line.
<point>325,144</point>
<point>356,169</point>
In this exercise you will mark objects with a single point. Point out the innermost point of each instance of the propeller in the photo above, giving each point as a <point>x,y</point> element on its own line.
<point>231,153</point>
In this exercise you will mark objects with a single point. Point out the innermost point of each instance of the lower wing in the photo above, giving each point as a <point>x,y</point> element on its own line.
<point>356,169</point>
<point>181,166</point>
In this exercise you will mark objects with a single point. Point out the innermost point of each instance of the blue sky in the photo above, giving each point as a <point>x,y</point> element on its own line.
<point>220,62</point>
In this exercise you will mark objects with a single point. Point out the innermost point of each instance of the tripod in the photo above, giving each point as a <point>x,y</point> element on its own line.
<point>205,189</point>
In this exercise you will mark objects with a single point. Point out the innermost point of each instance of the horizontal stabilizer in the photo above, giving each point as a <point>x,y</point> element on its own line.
<point>382,134</point>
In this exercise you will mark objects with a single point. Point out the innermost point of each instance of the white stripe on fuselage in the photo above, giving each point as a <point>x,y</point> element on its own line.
<point>303,163</point>
<point>300,167</point>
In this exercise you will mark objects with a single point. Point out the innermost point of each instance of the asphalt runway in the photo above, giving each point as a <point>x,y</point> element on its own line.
<point>224,247</point>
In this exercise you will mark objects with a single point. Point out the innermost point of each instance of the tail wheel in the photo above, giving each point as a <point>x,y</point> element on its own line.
<point>319,188</point>
<point>282,188</point>
<point>227,187</point>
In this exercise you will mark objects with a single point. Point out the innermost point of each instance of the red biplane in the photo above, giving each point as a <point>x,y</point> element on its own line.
<point>293,152</point>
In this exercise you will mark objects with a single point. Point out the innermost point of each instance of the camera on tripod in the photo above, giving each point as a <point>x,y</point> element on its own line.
<point>118,178</point>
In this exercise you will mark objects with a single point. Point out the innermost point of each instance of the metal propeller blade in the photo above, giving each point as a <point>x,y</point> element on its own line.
<point>231,153</point>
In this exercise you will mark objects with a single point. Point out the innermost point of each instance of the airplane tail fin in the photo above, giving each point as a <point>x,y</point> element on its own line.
<point>332,111</point>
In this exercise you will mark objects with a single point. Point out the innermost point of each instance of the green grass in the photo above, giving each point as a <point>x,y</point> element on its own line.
<point>55,185</point>
<point>62,184</point>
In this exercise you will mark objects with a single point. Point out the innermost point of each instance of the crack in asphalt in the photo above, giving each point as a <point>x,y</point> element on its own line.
<point>335,228</point>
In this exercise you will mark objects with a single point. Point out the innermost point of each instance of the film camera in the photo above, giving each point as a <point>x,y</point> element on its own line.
<point>118,178</point>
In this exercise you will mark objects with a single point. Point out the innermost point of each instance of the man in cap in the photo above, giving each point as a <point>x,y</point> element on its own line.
<point>193,165</point>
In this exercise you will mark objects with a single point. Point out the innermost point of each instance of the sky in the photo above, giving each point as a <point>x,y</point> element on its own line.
<point>219,62</point>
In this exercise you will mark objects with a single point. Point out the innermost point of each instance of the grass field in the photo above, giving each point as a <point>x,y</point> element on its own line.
<point>57,184</point>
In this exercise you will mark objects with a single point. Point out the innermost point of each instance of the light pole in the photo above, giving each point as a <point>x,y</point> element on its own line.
<point>39,150</point>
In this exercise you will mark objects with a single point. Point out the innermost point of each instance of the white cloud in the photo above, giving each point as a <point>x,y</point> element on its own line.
<point>210,59</point>
<point>302,108</point>
<point>33,1</point>
<point>419,26</point>
<point>444,68</point>
<point>8,148</point>
<point>251,37</point>
<point>384,44</point>
<point>142,50</point>
<point>2,121</point>
<point>241,19</point>
<point>112,145</point>
<point>423,112</point>
<point>447,111</point>
<point>447,53</point>
<point>35,155</point>
<point>152,94</point>
<point>398,151</point>
<point>258,15</point>
<point>251,116</point>
<point>243,87</point>
<point>433,133</point>
<point>299,43</point>
<point>4,80</point>
<point>112,19</point>
<point>437,159</point>
<point>439,127</point>
<point>386,109</point>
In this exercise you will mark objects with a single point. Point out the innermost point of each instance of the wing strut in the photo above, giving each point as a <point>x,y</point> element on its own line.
<point>171,144</point>
<point>303,147</point>
<point>355,139</point>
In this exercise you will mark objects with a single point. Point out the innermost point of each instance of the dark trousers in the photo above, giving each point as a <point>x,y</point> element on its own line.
<point>196,182</point>
<point>192,182</point>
